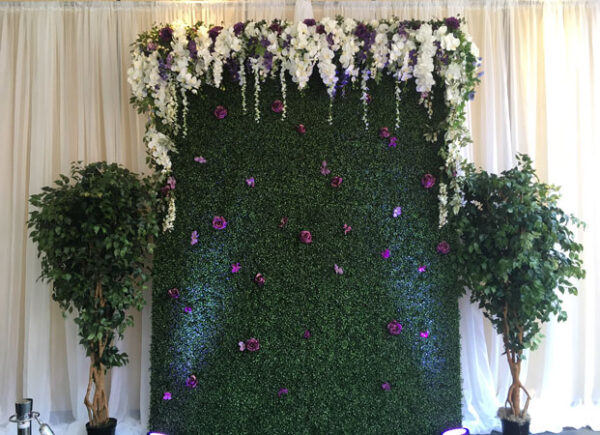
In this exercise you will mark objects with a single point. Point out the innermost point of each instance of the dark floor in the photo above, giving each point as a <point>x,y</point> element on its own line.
<point>566,431</point>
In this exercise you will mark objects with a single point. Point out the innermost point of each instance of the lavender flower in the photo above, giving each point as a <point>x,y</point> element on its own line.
<point>397,212</point>
<point>386,386</point>
<point>166,395</point>
<point>194,238</point>
<point>394,327</point>
<point>282,392</point>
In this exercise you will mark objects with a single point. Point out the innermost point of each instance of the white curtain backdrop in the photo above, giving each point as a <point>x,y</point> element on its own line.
<point>64,97</point>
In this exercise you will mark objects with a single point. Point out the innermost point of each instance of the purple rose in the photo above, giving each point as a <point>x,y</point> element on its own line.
<point>305,237</point>
<point>173,293</point>
<point>307,334</point>
<point>252,345</point>
<point>300,128</point>
<point>384,132</point>
<point>310,22</point>
<point>428,181</point>
<point>336,181</point>
<point>320,29</point>
<point>282,392</point>
<point>165,34</point>
<point>443,247</point>
<point>394,327</point>
<point>453,23</point>
<point>238,28</point>
<point>219,223</point>
<point>220,112</point>
<point>191,382</point>
<point>277,106</point>
<point>386,386</point>
<point>214,32</point>
<point>259,279</point>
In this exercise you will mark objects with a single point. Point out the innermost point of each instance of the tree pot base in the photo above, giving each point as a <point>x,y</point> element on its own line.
<point>107,429</point>
<point>513,428</point>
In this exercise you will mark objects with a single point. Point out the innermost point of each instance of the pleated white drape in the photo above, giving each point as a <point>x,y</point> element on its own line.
<point>64,97</point>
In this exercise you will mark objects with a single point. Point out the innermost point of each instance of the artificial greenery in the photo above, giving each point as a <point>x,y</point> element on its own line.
<point>334,378</point>
<point>516,251</point>
<point>94,231</point>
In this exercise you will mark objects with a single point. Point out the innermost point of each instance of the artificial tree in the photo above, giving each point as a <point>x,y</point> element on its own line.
<point>94,232</point>
<point>517,253</point>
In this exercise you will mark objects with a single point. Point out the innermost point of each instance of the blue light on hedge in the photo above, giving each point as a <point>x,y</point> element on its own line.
<point>457,431</point>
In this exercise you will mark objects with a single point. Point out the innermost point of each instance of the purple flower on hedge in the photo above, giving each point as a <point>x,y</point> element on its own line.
<point>310,22</point>
<point>220,112</point>
<point>238,28</point>
<point>300,128</point>
<point>386,386</point>
<point>338,269</point>
<point>277,106</point>
<point>219,223</point>
<point>250,181</point>
<point>192,48</point>
<point>200,159</point>
<point>428,181</point>
<point>424,334</point>
<point>214,32</point>
<point>259,279</point>
<point>397,212</point>
<point>347,229</point>
<point>384,132</point>
<point>385,253</point>
<point>235,267</point>
<point>283,222</point>
<point>282,392</point>
<point>306,334</point>
<point>393,142</point>
<point>305,237</point>
<point>191,381</point>
<point>188,309</point>
<point>422,268</point>
<point>368,98</point>
<point>242,346</point>
<point>443,247</point>
<point>324,169</point>
<point>171,182</point>
<point>173,293</point>
<point>336,181</point>
<point>165,34</point>
<point>453,23</point>
<point>252,345</point>
<point>194,238</point>
<point>166,395</point>
<point>394,327</point>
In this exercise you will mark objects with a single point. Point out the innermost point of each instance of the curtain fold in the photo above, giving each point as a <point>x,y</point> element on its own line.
<point>65,97</point>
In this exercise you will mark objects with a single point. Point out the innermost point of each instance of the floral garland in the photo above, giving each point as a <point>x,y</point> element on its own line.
<point>169,61</point>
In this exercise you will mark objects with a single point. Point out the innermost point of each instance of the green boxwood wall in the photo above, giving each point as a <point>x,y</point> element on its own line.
<point>334,378</point>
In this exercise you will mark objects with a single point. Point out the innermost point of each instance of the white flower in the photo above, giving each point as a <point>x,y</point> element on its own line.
<point>450,42</point>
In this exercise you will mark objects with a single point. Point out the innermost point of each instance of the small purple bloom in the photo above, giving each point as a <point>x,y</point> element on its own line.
<point>165,34</point>
<point>394,327</point>
<point>397,212</point>
<point>305,237</point>
<point>188,309</point>
<point>242,346</point>
<point>219,223</point>
<point>250,181</point>
<point>173,293</point>
<point>200,159</point>
<point>171,182</point>
<point>277,106</point>
<point>151,46</point>
<point>194,238</point>
<point>283,222</point>
<point>336,181</point>
<point>307,334</point>
<point>300,128</point>
<point>428,181</point>
<point>472,95</point>
<point>422,268</point>
<point>214,32</point>
<point>275,27</point>
<point>347,229</point>
<point>235,267</point>
<point>320,29</point>
<point>310,22</point>
<point>386,386</point>
<point>368,98</point>
<point>424,334</point>
<point>393,142</point>
<point>220,112</point>
<point>166,395</point>
<point>193,49</point>
<point>453,23</point>
<point>385,253</point>
<point>238,28</point>
<point>259,279</point>
<point>324,169</point>
<point>252,345</point>
<point>282,392</point>
<point>384,132</point>
<point>443,247</point>
<point>338,269</point>
<point>191,381</point>
<point>361,31</point>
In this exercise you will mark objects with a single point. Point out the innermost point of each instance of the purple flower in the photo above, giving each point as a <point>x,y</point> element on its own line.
<point>338,270</point>
<point>165,34</point>
<point>306,334</point>
<point>394,327</point>
<point>219,223</point>
<point>283,222</point>
<point>252,345</point>
<point>193,49</point>
<point>393,142</point>
<point>242,346</point>
<point>422,268</point>
<point>194,238</point>
<point>300,128</point>
<point>214,32</point>
<point>385,253</point>
<point>250,181</point>
<point>150,47</point>
<point>452,23</point>
<point>386,386</point>
<point>173,293</point>
<point>238,28</point>
<point>277,106</point>
<point>191,381</point>
<point>384,132</point>
<point>188,309</point>
<point>310,22</point>
<point>443,247</point>
<point>320,29</point>
<point>305,237</point>
<point>347,229</point>
<point>368,98</point>
<point>424,334</point>
<point>282,392</point>
<point>220,112</point>
<point>171,182</point>
<point>336,181</point>
<point>397,212</point>
<point>166,395</point>
<point>259,279</point>
<point>275,27</point>
<point>324,169</point>
<point>361,31</point>
<point>235,267</point>
<point>200,159</point>
<point>428,181</point>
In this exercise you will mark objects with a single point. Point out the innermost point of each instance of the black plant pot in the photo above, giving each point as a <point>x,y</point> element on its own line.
<point>107,429</point>
<point>514,428</point>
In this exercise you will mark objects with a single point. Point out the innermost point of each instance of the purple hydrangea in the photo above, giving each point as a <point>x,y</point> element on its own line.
<point>166,34</point>
<point>453,23</point>
<point>238,28</point>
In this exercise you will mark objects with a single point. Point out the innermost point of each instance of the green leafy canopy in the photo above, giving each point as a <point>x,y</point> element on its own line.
<point>96,228</point>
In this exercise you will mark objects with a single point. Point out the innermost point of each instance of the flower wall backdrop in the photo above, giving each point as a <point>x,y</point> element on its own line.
<point>303,284</point>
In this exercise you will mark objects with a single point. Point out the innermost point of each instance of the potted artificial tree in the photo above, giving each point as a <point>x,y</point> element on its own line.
<point>94,233</point>
<point>517,255</point>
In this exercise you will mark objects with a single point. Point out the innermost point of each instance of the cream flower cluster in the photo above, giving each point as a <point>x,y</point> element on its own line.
<point>170,61</point>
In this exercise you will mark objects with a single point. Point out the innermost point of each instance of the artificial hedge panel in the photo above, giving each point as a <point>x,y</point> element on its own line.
<point>334,379</point>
